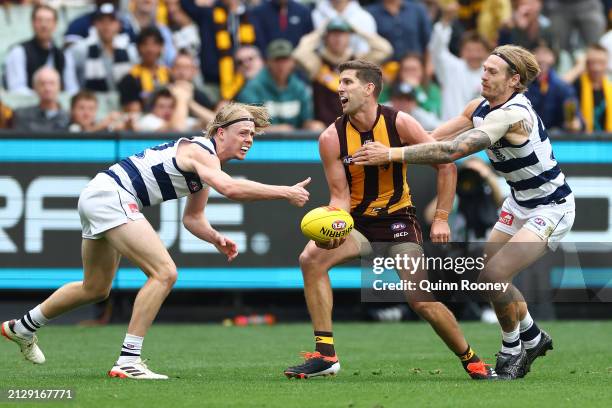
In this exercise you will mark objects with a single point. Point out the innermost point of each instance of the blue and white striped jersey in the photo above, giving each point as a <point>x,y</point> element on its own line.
<point>153,175</point>
<point>530,169</point>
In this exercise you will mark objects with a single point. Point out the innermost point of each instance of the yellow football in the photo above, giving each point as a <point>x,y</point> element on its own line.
<point>325,223</point>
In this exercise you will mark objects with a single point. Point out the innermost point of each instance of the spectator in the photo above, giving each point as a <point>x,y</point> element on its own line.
<point>348,10</point>
<point>468,12</point>
<point>27,57</point>
<point>83,26</point>
<point>405,24</point>
<point>169,112</point>
<point>459,77</point>
<point>404,98</point>
<point>274,19</point>
<point>105,57</point>
<point>6,117</point>
<point>83,111</point>
<point>586,16</point>
<point>606,41</point>
<point>183,73</point>
<point>427,93</point>
<point>184,32</point>
<point>248,61</point>
<point>145,77</point>
<point>223,27</point>
<point>528,26</point>
<point>554,100</point>
<point>281,91</point>
<point>48,114</point>
<point>493,15</point>
<point>594,90</point>
<point>144,15</point>
<point>321,63</point>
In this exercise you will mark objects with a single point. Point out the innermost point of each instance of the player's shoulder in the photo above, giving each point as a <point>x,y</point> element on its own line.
<point>329,134</point>
<point>472,105</point>
<point>198,147</point>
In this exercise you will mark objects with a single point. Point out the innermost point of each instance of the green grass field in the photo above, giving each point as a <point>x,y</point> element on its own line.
<point>383,365</point>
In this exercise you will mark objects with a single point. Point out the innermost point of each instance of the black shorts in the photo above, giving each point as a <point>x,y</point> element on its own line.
<point>400,226</point>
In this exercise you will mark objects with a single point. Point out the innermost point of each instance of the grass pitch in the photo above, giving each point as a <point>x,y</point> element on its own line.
<point>383,365</point>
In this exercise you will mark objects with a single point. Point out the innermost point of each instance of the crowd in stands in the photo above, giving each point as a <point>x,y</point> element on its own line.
<point>168,65</point>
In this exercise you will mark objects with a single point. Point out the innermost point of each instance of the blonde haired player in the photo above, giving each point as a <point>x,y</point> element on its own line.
<point>113,226</point>
<point>540,211</point>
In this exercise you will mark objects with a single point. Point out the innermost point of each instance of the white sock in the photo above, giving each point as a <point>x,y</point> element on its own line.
<point>530,332</point>
<point>30,322</point>
<point>130,350</point>
<point>511,342</point>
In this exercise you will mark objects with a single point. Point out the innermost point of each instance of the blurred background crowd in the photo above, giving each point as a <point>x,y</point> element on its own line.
<point>168,65</point>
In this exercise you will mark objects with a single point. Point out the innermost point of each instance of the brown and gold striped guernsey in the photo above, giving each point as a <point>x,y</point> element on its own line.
<point>375,190</point>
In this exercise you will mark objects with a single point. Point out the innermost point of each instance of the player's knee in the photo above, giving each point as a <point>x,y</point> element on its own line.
<point>307,259</point>
<point>167,274</point>
<point>97,294</point>
<point>312,264</point>
<point>488,273</point>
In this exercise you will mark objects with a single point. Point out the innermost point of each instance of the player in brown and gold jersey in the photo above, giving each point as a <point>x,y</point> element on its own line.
<point>378,198</point>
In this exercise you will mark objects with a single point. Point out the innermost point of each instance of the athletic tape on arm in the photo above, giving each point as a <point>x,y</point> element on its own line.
<point>497,123</point>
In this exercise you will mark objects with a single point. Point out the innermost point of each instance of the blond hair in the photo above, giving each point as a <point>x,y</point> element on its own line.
<point>233,111</point>
<point>521,62</point>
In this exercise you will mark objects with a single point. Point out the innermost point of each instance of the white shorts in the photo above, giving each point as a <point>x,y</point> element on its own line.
<point>103,205</point>
<point>550,222</point>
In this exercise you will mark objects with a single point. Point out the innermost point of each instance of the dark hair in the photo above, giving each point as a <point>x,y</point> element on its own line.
<point>160,93</point>
<point>149,32</point>
<point>473,36</point>
<point>82,96</point>
<point>43,7</point>
<point>367,72</point>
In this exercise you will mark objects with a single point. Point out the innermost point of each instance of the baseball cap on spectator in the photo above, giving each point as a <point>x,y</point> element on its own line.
<point>106,9</point>
<point>338,24</point>
<point>403,90</point>
<point>279,49</point>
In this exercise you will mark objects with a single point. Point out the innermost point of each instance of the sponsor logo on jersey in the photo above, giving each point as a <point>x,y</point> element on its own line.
<point>338,225</point>
<point>506,218</point>
<point>133,207</point>
<point>398,226</point>
<point>194,186</point>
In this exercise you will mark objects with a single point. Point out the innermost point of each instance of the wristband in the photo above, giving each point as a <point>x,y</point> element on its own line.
<point>441,215</point>
<point>391,149</point>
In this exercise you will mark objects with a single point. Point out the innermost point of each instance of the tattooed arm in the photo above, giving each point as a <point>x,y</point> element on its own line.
<point>493,128</point>
<point>472,141</point>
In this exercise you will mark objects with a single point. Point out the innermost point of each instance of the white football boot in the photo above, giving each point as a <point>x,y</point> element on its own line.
<point>137,370</point>
<point>28,345</point>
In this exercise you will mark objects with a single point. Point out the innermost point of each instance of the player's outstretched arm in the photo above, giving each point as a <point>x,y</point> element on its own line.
<point>207,166</point>
<point>195,221</point>
<point>493,128</point>
<point>455,126</point>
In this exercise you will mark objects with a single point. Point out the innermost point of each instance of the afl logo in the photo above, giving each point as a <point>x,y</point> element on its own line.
<point>398,226</point>
<point>339,225</point>
<point>346,160</point>
<point>539,221</point>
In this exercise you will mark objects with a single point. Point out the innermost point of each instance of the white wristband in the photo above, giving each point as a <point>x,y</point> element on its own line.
<point>390,161</point>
